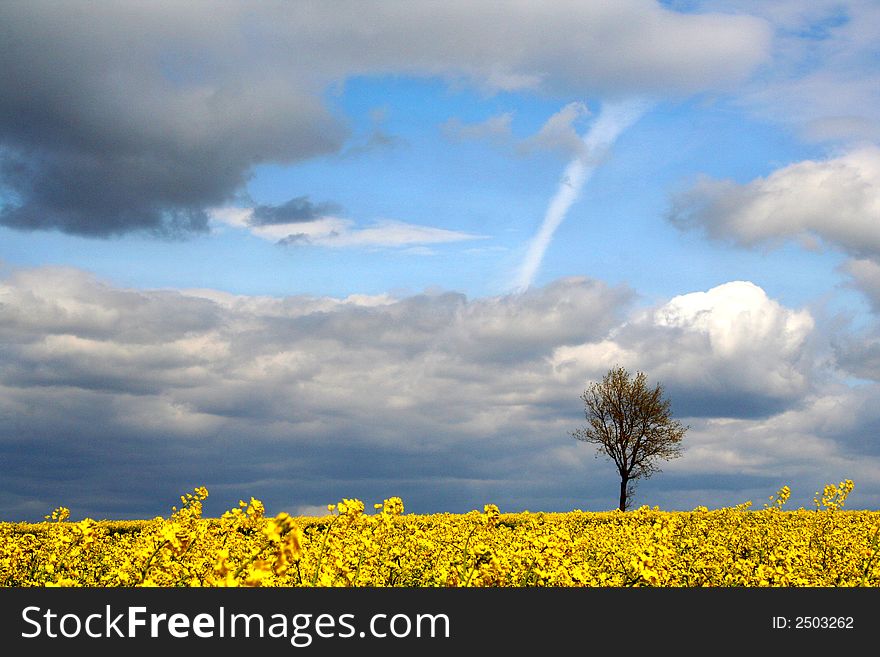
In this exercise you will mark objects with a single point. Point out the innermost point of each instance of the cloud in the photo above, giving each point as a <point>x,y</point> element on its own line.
<point>822,76</point>
<point>118,119</point>
<point>378,138</point>
<point>727,352</point>
<point>826,439</point>
<point>316,229</point>
<point>859,356</point>
<point>865,275</point>
<point>835,200</point>
<point>557,134</point>
<point>388,233</point>
<point>272,394</point>
<point>115,401</point>
<point>496,129</point>
<point>859,353</point>
<point>296,210</point>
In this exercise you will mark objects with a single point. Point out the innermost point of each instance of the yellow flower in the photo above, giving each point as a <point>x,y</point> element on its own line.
<point>723,547</point>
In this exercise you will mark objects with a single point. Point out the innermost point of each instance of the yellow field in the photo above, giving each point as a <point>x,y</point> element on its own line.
<point>739,546</point>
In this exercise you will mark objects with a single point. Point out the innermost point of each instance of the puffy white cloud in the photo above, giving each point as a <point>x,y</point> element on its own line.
<point>836,200</point>
<point>730,351</point>
<point>754,343</point>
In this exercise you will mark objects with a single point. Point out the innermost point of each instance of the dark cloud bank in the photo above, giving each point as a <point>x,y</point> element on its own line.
<point>115,401</point>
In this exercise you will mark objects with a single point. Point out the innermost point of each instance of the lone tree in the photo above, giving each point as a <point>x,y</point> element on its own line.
<point>632,425</point>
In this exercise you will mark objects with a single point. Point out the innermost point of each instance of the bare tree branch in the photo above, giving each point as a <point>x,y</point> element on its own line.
<point>631,424</point>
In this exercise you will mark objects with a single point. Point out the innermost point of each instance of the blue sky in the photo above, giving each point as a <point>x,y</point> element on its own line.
<point>294,252</point>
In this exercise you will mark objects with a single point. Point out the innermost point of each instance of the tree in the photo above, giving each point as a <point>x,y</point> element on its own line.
<point>632,424</point>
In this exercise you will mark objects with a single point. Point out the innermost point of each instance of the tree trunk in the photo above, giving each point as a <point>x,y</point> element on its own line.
<point>623,482</point>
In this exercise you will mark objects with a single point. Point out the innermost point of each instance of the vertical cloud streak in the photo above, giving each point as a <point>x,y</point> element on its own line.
<point>613,119</point>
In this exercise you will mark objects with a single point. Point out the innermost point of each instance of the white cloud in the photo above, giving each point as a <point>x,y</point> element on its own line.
<point>836,200</point>
<point>390,233</point>
<point>729,351</point>
<point>752,344</point>
<point>630,46</point>
<point>336,232</point>
<point>736,317</point>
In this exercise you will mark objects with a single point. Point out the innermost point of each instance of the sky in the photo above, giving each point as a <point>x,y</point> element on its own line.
<point>306,251</point>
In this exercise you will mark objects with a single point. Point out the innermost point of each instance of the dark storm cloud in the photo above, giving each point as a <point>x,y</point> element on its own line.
<point>102,194</point>
<point>295,210</point>
<point>118,117</point>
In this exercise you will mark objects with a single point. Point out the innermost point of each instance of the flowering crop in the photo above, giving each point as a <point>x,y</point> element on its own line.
<point>736,546</point>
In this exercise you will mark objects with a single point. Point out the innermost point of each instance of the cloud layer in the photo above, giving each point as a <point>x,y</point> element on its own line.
<point>113,397</point>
